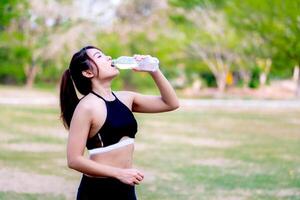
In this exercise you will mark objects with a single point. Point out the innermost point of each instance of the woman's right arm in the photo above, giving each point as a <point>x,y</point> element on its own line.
<point>78,134</point>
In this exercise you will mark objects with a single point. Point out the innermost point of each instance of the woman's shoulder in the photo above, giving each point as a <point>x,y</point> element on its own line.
<point>125,97</point>
<point>125,94</point>
<point>88,103</point>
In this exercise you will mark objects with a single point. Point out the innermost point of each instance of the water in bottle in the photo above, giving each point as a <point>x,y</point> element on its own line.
<point>148,63</point>
<point>125,62</point>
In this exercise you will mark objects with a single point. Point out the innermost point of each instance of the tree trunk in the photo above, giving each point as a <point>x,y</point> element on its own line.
<point>262,79</point>
<point>296,73</point>
<point>221,82</point>
<point>245,75</point>
<point>31,72</point>
<point>296,79</point>
<point>298,87</point>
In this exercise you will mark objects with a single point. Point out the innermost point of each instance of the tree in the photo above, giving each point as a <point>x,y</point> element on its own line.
<point>9,10</point>
<point>143,27</point>
<point>276,24</point>
<point>210,38</point>
<point>12,53</point>
<point>215,45</point>
<point>39,37</point>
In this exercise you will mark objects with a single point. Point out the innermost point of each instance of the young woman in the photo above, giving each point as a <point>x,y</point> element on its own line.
<point>102,121</point>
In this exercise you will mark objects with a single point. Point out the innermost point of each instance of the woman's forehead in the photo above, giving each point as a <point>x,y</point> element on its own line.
<point>93,52</point>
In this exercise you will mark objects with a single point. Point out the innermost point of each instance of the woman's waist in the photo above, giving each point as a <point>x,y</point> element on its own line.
<point>120,157</point>
<point>122,160</point>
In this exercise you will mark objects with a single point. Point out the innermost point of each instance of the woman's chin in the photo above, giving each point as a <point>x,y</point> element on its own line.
<point>116,73</point>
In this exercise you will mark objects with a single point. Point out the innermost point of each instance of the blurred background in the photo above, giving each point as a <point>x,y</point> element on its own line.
<point>234,65</point>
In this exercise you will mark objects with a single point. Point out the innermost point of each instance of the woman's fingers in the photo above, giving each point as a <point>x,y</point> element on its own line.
<point>139,57</point>
<point>132,176</point>
<point>141,175</point>
<point>136,182</point>
<point>139,178</point>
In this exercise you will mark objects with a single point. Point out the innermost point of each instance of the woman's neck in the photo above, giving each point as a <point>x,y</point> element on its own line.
<point>103,90</point>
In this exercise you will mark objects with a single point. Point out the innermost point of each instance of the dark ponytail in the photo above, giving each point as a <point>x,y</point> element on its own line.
<point>73,76</point>
<point>68,98</point>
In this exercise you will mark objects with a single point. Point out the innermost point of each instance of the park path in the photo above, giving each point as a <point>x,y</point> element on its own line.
<point>17,96</point>
<point>240,103</point>
<point>185,103</point>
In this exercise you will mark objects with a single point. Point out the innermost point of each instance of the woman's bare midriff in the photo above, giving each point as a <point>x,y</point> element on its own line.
<point>120,157</point>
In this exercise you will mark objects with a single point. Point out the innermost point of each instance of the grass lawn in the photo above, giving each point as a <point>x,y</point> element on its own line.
<point>26,196</point>
<point>185,154</point>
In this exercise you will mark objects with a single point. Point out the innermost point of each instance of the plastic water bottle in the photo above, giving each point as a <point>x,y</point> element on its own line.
<point>148,63</point>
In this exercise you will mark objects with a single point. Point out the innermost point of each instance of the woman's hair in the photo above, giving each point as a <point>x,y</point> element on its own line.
<point>68,98</point>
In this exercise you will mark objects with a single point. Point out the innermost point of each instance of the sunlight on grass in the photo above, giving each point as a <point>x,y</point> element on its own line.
<point>185,154</point>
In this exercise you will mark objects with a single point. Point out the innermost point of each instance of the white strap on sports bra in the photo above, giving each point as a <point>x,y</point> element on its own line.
<point>121,143</point>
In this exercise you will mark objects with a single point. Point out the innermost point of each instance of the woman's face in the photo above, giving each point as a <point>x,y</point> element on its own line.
<point>104,64</point>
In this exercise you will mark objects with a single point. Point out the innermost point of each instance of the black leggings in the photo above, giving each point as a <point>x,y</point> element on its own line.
<point>91,188</point>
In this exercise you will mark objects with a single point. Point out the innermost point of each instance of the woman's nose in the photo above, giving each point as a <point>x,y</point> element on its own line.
<point>109,58</point>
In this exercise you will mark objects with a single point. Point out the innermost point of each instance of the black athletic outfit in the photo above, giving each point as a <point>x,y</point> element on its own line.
<point>119,122</point>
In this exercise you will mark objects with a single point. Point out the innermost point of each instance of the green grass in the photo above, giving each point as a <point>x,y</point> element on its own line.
<point>185,154</point>
<point>26,196</point>
<point>263,147</point>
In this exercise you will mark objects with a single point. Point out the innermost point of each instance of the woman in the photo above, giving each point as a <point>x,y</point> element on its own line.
<point>103,122</point>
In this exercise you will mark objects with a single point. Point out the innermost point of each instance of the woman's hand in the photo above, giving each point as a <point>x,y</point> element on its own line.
<point>139,58</point>
<point>130,176</point>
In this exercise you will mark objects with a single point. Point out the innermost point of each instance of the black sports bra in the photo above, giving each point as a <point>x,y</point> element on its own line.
<point>119,122</point>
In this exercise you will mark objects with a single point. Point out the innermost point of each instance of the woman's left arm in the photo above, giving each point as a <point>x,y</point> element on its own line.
<point>153,104</point>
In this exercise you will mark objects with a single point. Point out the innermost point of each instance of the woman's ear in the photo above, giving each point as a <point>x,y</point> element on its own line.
<point>88,73</point>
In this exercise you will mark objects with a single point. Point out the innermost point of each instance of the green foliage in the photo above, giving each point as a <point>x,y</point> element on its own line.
<point>13,55</point>
<point>209,79</point>
<point>274,25</point>
<point>265,29</point>
<point>139,43</point>
<point>254,80</point>
<point>185,4</point>
<point>282,67</point>
<point>49,73</point>
<point>12,61</point>
<point>180,20</point>
<point>111,44</point>
<point>9,9</point>
<point>190,4</point>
